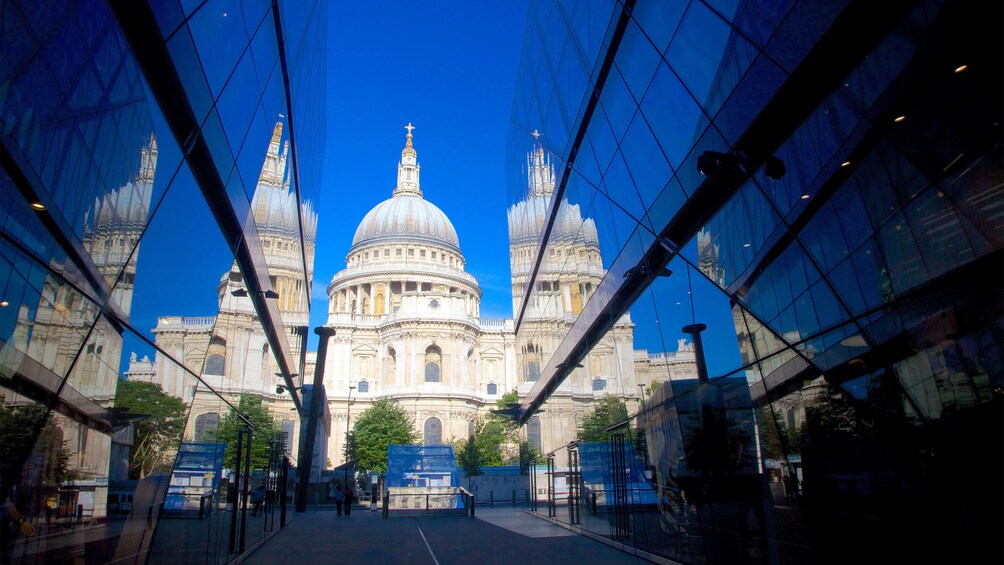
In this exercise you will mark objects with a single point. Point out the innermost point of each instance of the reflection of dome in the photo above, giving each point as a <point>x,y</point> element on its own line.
<point>526,220</point>
<point>406,218</point>
<point>275,209</point>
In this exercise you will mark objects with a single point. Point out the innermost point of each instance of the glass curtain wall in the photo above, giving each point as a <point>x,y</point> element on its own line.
<point>756,255</point>
<point>134,356</point>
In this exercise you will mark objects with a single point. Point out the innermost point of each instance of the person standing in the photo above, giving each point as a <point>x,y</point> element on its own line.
<point>339,496</point>
<point>349,495</point>
<point>257,500</point>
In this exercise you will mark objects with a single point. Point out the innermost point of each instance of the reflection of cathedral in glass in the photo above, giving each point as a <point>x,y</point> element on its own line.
<point>230,350</point>
<point>55,332</point>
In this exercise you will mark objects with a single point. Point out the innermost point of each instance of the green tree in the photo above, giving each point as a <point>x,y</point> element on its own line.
<point>529,455</point>
<point>158,433</point>
<point>18,426</point>
<point>383,424</point>
<point>265,427</point>
<point>776,431</point>
<point>493,443</point>
<point>511,397</point>
<point>469,459</point>
<point>607,411</point>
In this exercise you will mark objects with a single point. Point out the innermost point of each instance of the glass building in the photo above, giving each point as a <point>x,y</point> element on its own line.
<point>806,197</point>
<point>147,149</point>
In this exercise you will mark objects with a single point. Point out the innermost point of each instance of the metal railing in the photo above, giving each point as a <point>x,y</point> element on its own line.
<point>509,497</point>
<point>450,501</point>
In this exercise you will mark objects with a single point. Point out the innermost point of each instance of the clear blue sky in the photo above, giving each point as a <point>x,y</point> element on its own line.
<point>449,68</point>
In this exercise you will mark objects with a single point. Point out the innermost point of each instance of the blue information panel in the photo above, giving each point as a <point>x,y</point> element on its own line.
<point>196,474</point>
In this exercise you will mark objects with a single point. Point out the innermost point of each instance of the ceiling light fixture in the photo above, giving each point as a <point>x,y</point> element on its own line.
<point>805,197</point>
<point>961,68</point>
<point>845,164</point>
<point>4,304</point>
<point>38,206</point>
<point>900,119</point>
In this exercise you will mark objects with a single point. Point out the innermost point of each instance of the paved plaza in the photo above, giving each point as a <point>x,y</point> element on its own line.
<point>504,535</point>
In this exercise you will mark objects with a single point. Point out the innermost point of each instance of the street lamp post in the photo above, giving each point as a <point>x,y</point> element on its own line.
<point>348,414</point>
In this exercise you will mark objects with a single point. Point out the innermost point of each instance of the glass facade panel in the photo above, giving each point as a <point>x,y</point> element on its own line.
<point>841,267</point>
<point>131,364</point>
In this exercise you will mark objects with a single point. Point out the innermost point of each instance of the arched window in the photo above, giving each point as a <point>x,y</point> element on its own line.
<point>390,366</point>
<point>531,358</point>
<point>533,433</point>
<point>532,370</point>
<point>493,389</point>
<point>378,306</point>
<point>363,386</point>
<point>433,363</point>
<point>433,431</point>
<point>215,364</point>
<point>206,426</point>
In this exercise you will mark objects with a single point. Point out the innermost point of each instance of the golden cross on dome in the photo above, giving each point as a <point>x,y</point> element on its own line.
<point>409,127</point>
<point>535,134</point>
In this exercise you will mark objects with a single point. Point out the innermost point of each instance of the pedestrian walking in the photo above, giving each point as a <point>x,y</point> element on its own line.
<point>349,495</point>
<point>339,496</point>
<point>257,500</point>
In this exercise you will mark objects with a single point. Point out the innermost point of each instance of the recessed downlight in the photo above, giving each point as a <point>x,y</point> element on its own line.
<point>961,68</point>
<point>900,119</point>
<point>38,206</point>
<point>4,304</point>
<point>845,164</point>
<point>805,197</point>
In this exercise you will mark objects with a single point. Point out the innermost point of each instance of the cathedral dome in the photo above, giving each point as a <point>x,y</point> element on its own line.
<point>406,219</point>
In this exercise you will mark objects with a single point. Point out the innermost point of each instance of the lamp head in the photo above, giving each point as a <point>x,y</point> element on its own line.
<point>774,168</point>
<point>708,163</point>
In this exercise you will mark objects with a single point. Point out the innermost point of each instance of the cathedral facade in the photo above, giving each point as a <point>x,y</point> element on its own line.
<point>407,320</point>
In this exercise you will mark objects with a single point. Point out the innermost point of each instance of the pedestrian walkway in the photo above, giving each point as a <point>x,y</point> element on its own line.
<point>515,520</point>
<point>503,536</point>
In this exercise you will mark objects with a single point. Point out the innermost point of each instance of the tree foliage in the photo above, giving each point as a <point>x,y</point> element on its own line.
<point>779,440</point>
<point>529,455</point>
<point>385,423</point>
<point>469,458</point>
<point>265,429</point>
<point>18,426</point>
<point>159,432</point>
<point>607,411</point>
<point>494,442</point>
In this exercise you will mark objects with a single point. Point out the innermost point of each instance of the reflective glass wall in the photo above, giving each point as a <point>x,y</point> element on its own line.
<point>157,229</point>
<point>756,257</point>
